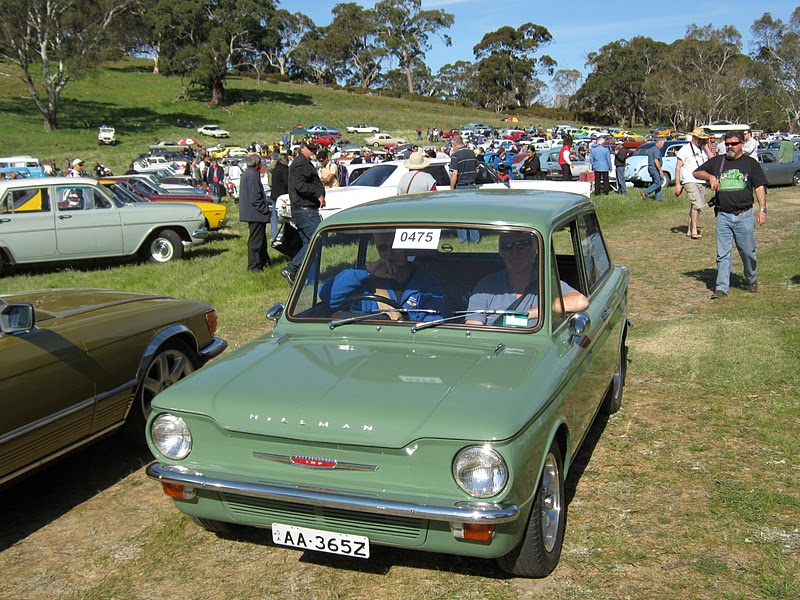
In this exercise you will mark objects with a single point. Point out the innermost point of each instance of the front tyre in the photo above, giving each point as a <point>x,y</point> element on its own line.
<point>173,361</point>
<point>163,246</point>
<point>540,549</point>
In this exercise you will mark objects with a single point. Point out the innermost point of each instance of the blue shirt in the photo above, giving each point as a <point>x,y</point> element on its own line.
<point>495,292</point>
<point>653,154</point>
<point>421,291</point>
<point>600,158</point>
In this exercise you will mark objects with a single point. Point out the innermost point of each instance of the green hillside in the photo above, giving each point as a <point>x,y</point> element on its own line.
<point>144,108</point>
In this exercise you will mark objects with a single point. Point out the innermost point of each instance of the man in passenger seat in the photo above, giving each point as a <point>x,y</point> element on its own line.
<point>516,288</point>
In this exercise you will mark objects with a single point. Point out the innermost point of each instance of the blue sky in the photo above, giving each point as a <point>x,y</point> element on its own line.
<point>577,26</point>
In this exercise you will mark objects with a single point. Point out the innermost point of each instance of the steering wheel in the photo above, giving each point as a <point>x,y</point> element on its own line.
<point>374,297</point>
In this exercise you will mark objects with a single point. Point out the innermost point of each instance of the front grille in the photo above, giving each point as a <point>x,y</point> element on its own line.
<point>385,528</point>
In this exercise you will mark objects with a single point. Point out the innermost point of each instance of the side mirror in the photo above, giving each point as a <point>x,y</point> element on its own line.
<point>579,323</point>
<point>275,313</point>
<point>16,317</point>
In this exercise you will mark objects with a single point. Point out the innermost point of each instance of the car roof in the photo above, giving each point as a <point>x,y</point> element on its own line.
<point>46,181</point>
<point>526,208</point>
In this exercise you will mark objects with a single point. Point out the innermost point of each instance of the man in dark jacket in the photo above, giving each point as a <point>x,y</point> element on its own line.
<point>307,195</point>
<point>254,211</point>
<point>279,185</point>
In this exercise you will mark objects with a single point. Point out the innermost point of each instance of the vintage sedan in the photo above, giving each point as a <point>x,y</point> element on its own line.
<point>383,139</point>
<point>414,392</point>
<point>71,218</point>
<point>214,213</point>
<point>636,164</point>
<point>362,128</point>
<point>779,173</point>
<point>79,364</point>
<point>213,131</point>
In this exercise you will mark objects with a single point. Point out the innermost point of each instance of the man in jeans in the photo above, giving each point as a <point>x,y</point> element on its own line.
<point>654,162</point>
<point>463,171</point>
<point>307,195</point>
<point>735,176</point>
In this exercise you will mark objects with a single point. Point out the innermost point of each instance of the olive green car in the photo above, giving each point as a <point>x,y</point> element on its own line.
<point>78,364</point>
<point>413,393</point>
<point>70,218</point>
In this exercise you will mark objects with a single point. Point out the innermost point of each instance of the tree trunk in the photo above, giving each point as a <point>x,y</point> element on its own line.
<point>217,92</point>
<point>50,120</point>
<point>409,78</point>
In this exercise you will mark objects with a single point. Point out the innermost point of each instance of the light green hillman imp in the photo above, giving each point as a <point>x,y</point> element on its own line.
<point>419,390</point>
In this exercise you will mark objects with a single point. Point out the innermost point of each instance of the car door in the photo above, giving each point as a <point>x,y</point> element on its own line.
<point>593,354</point>
<point>27,223</point>
<point>46,397</point>
<point>88,223</point>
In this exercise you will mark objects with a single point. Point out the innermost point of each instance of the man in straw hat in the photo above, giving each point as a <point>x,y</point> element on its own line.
<point>690,157</point>
<point>416,180</point>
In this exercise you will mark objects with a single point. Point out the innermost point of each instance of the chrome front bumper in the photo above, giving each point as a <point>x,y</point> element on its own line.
<point>484,513</point>
<point>213,349</point>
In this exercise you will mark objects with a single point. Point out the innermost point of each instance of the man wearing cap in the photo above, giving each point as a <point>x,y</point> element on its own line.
<point>307,195</point>
<point>77,169</point>
<point>416,180</point>
<point>690,157</point>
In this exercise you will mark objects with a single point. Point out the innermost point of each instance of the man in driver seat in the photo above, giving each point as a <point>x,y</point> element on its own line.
<point>389,282</point>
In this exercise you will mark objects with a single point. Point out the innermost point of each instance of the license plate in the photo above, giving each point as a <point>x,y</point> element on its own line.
<point>320,541</point>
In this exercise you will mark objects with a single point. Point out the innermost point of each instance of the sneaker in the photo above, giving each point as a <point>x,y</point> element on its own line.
<point>718,294</point>
<point>288,276</point>
<point>752,288</point>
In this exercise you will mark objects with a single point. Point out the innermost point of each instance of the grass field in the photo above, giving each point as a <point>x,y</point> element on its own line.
<point>692,490</point>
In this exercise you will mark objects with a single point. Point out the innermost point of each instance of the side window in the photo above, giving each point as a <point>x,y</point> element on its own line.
<point>100,201</point>
<point>593,248</point>
<point>766,157</point>
<point>439,173</point>
<point>565,269</point>
<point>26,200</point>
<point>72,198</point>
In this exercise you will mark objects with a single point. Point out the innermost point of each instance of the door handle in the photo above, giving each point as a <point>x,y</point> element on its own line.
<point>607,312</point>
<point>5,220</point>
<point>64,216</point>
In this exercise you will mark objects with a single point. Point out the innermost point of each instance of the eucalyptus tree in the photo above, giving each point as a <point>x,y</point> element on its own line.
<point>56,41</point>
<point>506,70</point>
<point>777,45</point>
<point>405,30</point>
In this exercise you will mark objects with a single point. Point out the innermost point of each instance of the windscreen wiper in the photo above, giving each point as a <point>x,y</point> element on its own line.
<point>461,313</point>
<point>383,311</point>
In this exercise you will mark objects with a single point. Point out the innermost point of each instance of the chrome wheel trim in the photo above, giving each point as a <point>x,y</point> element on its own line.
<point>169,367</point>
<point>161,250</point>
<point>551,495</point>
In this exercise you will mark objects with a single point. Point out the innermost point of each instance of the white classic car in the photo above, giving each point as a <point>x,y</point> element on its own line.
<point>213,131</point>
<point>363,129</point>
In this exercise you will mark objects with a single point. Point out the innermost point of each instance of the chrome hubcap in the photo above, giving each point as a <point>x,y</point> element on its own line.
<point>161,250</point>
<point>551,503</point>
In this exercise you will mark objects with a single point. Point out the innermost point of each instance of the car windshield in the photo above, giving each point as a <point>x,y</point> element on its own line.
<point>375,176</point>
<point>421,277</point>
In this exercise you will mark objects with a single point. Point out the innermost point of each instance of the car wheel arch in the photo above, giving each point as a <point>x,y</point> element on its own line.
<point>173,332</point>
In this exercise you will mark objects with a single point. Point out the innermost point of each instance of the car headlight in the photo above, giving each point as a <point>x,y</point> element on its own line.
<point>171,436</point>
<point>480,471</point>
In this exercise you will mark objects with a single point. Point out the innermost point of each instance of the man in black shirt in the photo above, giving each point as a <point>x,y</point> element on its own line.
<point>463,171</point>
<point>735,177</point>
<point>307,195</point>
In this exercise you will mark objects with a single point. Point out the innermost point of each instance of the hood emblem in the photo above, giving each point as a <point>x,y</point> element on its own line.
<point>313,462</point>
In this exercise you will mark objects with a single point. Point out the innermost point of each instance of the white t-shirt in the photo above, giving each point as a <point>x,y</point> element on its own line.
<point>751,148</point>
<point>416,181</point>
<point>692,157</point>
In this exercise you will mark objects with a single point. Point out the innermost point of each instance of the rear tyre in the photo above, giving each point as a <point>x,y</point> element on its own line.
<point>666,180</point>
<point>540,549</point>
<point>163,246</point>
<point>796,178</point>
